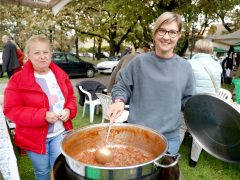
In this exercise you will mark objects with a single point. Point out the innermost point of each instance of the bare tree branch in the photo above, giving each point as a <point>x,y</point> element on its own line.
<point>224,23</point>
<point>128,31</point>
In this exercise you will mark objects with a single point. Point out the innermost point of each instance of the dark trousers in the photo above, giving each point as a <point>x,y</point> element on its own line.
<point>10,73</point>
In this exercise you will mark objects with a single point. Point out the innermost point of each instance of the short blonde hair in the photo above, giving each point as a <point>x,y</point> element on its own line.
<point>36,38</point>
<point>204,46</point>
<point>167,17</point>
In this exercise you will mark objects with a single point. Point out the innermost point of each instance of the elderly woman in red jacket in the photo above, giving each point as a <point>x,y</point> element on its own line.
<point>41,102</point>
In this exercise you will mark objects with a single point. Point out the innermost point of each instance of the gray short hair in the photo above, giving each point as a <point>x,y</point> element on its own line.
<point>204,46</point>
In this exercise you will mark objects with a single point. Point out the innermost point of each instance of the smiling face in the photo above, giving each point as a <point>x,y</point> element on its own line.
<point>166,38</point>
<point>166,32</point>
<point>40,55</point>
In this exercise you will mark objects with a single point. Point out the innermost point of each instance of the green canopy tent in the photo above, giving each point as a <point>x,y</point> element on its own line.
<point>218,49</point>
<point>237,49</point>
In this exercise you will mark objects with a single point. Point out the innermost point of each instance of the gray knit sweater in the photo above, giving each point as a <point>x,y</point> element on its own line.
<point>156,89</point>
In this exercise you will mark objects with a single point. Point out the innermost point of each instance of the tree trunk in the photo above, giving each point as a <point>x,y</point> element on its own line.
<point>99,48</point>
<point>184,48</point>
<point>112,47</point>
<point>76,44</point>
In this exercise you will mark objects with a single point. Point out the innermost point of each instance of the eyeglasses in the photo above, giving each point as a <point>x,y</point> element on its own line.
<point>171,33</point>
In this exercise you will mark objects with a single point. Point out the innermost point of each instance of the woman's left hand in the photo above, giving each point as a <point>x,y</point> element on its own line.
<point>64,115</point>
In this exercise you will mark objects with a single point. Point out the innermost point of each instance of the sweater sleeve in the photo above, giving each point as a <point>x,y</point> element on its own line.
<point>190,88</point>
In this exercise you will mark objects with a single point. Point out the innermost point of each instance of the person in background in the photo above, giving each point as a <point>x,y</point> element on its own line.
<point>40,101</point>
<point>20,56</point>
<point>146,47</point>
<point>9,56</point>
<point>207,75</point>
<point>127,50</point>
<point>122,63</point>
<point>157,84</point>
<point>228,66</point>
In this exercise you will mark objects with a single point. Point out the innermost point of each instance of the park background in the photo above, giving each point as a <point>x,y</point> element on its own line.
<point>108,26</point>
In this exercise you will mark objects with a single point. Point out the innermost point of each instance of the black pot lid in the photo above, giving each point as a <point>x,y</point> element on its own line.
<point>215,124</point>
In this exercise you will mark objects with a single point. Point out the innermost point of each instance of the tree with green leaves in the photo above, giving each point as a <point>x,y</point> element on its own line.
<point>116,22</point>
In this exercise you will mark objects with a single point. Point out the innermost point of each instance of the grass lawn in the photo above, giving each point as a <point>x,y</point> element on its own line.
<point>4,79</point>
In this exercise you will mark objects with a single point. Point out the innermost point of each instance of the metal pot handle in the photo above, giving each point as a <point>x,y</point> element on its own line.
<point>169,165</point>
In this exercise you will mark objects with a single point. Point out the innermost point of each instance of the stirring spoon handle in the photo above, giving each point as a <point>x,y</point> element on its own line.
<point>109,129</point>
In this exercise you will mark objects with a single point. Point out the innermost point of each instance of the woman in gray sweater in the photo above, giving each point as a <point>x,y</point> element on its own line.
<point>156,84</point>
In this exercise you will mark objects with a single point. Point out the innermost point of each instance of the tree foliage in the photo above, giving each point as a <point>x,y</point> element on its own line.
<point>116,22</point>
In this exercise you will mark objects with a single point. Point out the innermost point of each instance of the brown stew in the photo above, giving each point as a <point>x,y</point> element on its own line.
<point>122,156</point>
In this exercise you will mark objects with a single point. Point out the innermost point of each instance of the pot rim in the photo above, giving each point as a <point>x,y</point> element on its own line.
<point>118,167</point>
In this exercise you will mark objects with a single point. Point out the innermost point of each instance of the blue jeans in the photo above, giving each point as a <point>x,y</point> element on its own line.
<point>173,145</point>
<point>42,163</point>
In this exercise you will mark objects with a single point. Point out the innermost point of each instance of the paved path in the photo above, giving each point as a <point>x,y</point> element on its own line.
<point>102,78</point>
<point>2,87</point>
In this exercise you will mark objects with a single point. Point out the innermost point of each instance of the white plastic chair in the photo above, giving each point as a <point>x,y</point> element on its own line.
<point>225,94</point>
<point>92,104</point>
<point>106,101</point>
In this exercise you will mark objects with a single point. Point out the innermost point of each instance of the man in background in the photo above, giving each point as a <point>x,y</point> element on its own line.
<point>9,56</point>
<point>127,50</point>
<point>123,63</point>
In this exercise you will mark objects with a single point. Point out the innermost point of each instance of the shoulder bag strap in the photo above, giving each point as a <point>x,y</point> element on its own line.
<point>211,77</point>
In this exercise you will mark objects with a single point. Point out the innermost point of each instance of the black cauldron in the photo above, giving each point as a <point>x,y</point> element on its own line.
<point>61,170</point>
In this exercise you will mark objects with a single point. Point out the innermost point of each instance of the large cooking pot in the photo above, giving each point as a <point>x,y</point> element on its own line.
<point>122,134</point>
<point>215,125</point>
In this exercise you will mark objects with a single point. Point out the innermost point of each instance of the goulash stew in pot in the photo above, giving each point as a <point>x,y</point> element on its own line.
<point>122,156</point>
<point>130,145</point>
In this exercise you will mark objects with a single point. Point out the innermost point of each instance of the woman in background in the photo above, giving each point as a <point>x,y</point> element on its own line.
<point>207,74</point>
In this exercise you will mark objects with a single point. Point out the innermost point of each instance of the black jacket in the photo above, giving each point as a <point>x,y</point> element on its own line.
<point>90,86</point>
<point>9,57</point>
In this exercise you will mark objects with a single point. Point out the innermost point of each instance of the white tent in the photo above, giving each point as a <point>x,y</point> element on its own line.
<point>55,5</point>
<point>226,40</point>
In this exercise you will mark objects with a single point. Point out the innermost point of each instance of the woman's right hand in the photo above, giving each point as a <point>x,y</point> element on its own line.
<point>115,110</point>
<point>52,117</point>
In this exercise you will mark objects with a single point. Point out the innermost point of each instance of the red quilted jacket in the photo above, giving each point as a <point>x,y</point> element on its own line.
<point>26,105</point>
